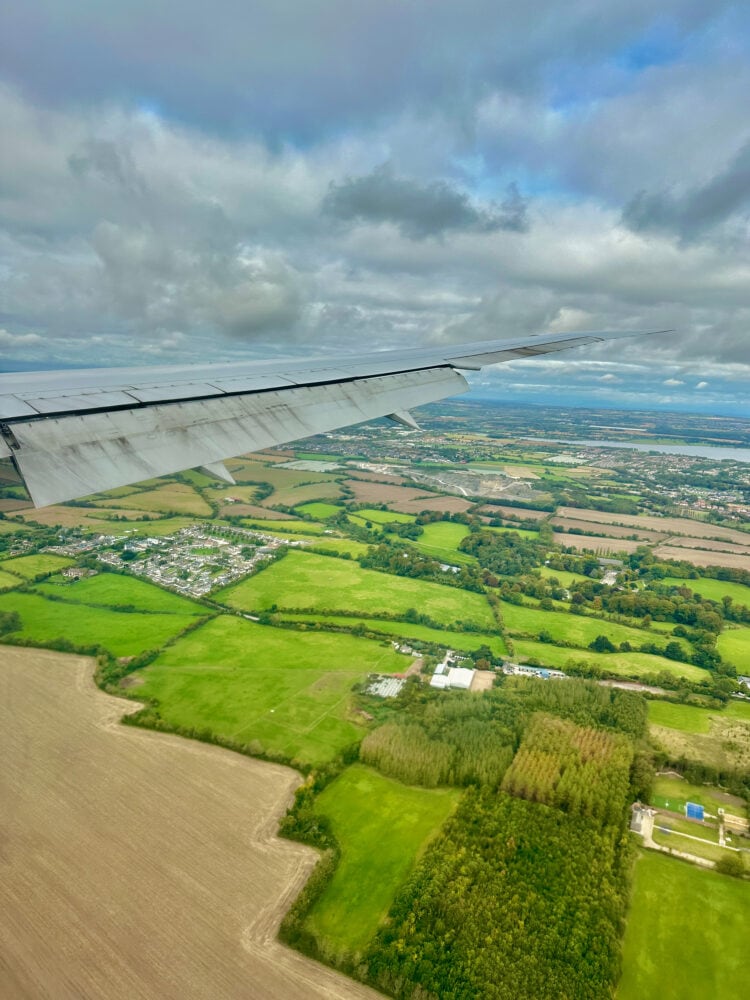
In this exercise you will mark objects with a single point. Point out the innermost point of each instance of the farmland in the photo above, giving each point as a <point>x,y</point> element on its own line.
<point>29,567</point>
<point>464,641</point>
<point>674,903</point>
<point>719,738</point>
<point>121,633</point>
<point>686,718</point>
<point>91,905</point>
<point>578,630</point>
<point>114,590</point>
<point>272,690</point>
<point>174,498</point>
<point>714,590</point>
<point>625,664</point>
<point>734,646</point>
<point>372,817</point>
<point>307,581</point>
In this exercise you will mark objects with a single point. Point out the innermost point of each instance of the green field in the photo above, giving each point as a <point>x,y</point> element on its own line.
<point>8,580</point>
<point>320,511</point>
<point>714,590</point>
<point>382,828</point>
<point>113,590</point>
<point>375,516</point>
<point>675,841</point>
<point>577,629</point>
<point>333,543</point>
<point>307,581</point>
<point>29,567</point>
<point>276,690</point>
<point>690,828</point>
<point>523,532</point>
<point>686,718</point>
<point>631,665</point>
<point>157,528</point>
<point>737,710</point>
<point>461,641</point>
<point>441,539</point>
<point>673,793</point>
<point>686,934</point>
<point>122,633</point>
<point>734,647</point>
<point>564,577</point>
<point>290,527</point>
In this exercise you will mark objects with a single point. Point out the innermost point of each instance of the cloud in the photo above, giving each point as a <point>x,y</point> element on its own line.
<point>698,210</point>
<point>701,385</point>
<point>609,377</point>
<point>8,339</point>
<point>420,209</point>
<point>672,381</point>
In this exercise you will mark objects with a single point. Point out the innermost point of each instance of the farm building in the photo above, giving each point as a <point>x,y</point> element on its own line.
<point>460,677</point>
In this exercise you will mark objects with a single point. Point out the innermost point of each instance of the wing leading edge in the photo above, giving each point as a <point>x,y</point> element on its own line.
<point>73,433</point>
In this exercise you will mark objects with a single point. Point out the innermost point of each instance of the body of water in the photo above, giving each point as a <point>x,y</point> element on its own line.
<point>691,450</point>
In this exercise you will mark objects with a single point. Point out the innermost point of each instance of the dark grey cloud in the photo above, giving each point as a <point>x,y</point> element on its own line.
<point>697,211</point>
<point>420,209</point>
<point>303,69</point>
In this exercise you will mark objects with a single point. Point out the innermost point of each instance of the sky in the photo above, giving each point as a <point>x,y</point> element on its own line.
<point>245,179</point>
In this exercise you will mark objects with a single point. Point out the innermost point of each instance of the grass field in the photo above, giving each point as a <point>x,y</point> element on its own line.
<point>249,471</point>
<point>578,629</point>
<point>173,498</point>
<point>291,527</point>
<point>375,516</point>
<point>564,577</point>
<point>340,545</point>
<point>306,581</point>
<point>441,540</point>
<point>462,641</point>
<point>671,837</point>
<point>632,665</point>
<point>673,793</point>
<point>122,633</point>
<point>686,934</point>
<point>112,590</point>
<point>30,566</point>
<point>282,691</point>
<point>293,496</point>
<point>523,532</point>
<point>382,828</point>
<point>734,646</point>
<point>318,510</point>
<point>714,590</point>
<point>9,580</point>
<point>686,718</point>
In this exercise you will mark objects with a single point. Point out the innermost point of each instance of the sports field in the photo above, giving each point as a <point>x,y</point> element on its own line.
<point>274,690</point>
<point>673,793</point>
<point>307,581</point>
<point>115,591</point>
<point>382,828</point>
<point>122,633</point>
<point>577,629</point>
<point>625,664</point>
<point>686,934</point>
<point>463,641</point>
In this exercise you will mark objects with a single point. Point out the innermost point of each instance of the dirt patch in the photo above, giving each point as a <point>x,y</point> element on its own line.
<point>371,492</point>
<point>610,530</point>
<point>703,558</point>
<point>516,513</point>
<point>668,525</point>
<point>600,544</point>
<point>482,680</point>
<point>449,505</point>
<point>138,865</point>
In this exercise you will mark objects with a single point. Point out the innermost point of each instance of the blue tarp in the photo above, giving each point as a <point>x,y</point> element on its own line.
<point>693,811</point>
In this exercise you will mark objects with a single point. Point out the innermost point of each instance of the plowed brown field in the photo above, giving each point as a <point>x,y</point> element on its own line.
<point>134,864</point>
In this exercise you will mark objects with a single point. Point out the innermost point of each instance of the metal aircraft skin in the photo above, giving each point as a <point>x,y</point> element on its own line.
<point>74,433</point>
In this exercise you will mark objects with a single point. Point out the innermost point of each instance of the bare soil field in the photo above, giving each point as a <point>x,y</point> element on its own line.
<point>517,513</point>
<point>733,560</point>
<point>707,543</point>
<point>450,505</point>
<point>138,865</point>
<point>667,525</point>
<point>372,492</point>
<point>611,530</point>
<point>377,477</point>
<point>596,543</point>
<point>13,503</point>
<point>89,517</point>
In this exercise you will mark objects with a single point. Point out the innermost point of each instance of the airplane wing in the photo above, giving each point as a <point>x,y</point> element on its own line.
<point>73,433</point>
